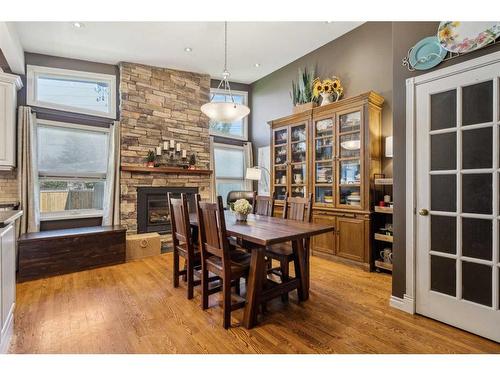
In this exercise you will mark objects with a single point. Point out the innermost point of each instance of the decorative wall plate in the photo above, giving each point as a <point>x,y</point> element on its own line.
<point>462,37</point>
<point>427,53</point>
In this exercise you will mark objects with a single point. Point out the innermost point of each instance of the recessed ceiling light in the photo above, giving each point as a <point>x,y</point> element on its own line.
<point>329,21</point>
<point>188,49</point>
<point>257,65</point>
<point>78,25</point>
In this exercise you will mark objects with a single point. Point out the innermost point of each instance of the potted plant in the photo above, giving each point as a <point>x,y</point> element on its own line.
<point>150,159</point>
<point>242,208</point>
<point>301,94</point>
<point>327,89</point>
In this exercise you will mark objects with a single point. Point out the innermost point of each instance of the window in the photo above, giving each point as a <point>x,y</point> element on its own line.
<point>72,165</point>
<point>74,91</point>
<point>230,166</point>
<point>236,129</point>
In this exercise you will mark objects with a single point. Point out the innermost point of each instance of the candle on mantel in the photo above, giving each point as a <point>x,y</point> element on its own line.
<point>165,145</point>
<point>184,153</point>
<point>178,149</point>
<point>172,143</point>
<point>158,150</point>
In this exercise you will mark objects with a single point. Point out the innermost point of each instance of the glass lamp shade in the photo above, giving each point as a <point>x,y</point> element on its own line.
<point>225,111</point>
<point>253,174</point>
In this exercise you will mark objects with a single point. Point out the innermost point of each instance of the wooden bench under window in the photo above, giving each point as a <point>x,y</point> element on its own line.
<point>56,252</point>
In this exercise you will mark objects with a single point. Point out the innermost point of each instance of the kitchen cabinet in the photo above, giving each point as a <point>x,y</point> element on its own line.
<point>9,84</point>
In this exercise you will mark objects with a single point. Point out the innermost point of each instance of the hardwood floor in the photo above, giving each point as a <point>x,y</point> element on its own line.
<point>133,308</point>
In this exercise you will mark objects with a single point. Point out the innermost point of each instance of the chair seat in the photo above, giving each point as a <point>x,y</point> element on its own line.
<point>280,251</point>
<point>240,263</point>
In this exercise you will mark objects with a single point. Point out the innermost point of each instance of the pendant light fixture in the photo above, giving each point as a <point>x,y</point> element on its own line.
<point>226,111</point>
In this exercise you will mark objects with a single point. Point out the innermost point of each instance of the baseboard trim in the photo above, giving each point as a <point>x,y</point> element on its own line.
<point>406,304</point>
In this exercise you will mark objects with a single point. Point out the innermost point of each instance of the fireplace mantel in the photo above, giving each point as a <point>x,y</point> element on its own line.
<point>166,170</point>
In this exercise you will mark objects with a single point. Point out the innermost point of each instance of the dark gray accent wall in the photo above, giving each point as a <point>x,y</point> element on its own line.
<point>361,58</point>
<point>404,36</point>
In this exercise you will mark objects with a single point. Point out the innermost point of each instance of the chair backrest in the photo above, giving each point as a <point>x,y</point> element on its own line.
<point>212,230</point>
<point>179,219</point>
<point>263,205</point>
<point>234,195</point>
<point>298,208</point>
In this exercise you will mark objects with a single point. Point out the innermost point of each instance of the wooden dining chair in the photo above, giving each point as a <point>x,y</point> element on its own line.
<point>263,205</point>
<point>219,257</point>
<point>295,208</point>
<point>183,244</point>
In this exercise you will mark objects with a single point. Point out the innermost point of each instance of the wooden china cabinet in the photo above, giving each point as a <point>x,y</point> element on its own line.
<point>332,151</point>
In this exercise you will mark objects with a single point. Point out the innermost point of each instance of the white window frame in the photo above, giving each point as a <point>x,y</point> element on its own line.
<point>34,71</point>
<point>88,177</point>
<point>245,120</point>
<point>228,179</point>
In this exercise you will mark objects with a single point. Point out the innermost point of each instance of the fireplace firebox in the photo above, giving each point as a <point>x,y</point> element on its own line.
<point>152,207</point>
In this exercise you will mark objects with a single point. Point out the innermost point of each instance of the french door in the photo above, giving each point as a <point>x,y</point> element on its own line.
<point>457,200</point>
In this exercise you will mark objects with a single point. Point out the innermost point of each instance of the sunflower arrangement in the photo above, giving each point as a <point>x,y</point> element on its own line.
<point>328,88</point>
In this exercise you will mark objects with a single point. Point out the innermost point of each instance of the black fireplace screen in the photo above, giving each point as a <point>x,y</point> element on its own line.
<point>152,207</point>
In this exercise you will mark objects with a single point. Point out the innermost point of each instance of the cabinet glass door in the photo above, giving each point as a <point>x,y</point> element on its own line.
<point>323,161</point>
<point>298,147</point>
<point>280,155</point>
<point>349,164</point>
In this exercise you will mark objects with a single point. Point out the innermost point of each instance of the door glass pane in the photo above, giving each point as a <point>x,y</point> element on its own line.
<point>444,110</point>
<point>324,148</point>
<point>299,174</point>
<point>298,191</point>
<point>324,173</point>
<point>444,193</point>
<point>324,194</point>
<point>280,192</point>
<point>350,172</point>
<point>477,193</point>
<point>476,283</point>
<point>350,195</point>
<point>280,155</point>
<point>444,151</point>
<point>298,152</point>
<point>350,122</point>
<point>298,133</point>
<point>324,128</point>
<point>350,145</point>
<point>477,103</point>
<point>444,234</point>
<point>280,175</point>
<point>477,148</point>
<point>280,136</point>
<point>443,275</point>
<point>477,238</point>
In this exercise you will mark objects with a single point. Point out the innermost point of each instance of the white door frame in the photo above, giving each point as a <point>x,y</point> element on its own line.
<point>408,303</point>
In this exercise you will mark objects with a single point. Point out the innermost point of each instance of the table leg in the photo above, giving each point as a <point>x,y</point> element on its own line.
<point>301,268</point>
<point>254,288</point>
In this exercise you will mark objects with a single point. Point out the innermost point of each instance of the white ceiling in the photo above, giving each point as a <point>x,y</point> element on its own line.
<point>270,44</point>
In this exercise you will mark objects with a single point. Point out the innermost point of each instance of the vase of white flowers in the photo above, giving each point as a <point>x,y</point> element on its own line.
<point>242,208</point>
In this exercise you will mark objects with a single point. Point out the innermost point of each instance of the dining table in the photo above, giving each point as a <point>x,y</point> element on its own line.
<point>256,234</point>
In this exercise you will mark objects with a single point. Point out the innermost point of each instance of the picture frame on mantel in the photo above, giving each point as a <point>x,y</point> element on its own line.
<point>264,162</point>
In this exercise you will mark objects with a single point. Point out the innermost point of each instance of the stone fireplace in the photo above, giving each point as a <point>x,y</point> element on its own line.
<point>152,207</point>
<point>156,105</point>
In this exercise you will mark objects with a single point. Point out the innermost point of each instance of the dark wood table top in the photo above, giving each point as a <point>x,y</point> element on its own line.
<point>266,230</point>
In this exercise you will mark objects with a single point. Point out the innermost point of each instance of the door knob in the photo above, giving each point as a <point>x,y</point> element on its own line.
<point>423,212</point>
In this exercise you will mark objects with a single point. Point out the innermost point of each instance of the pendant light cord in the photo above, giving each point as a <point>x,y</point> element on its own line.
<point>225,74</point>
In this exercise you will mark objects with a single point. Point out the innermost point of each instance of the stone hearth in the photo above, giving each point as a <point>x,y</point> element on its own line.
<point>157,105</point>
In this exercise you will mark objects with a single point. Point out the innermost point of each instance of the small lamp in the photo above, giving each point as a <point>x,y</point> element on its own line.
<point>253,174</point>
<point>388,147</point>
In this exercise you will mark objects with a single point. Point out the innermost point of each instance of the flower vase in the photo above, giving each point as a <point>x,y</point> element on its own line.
<point>325,98</point>
<point>241,217</point>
